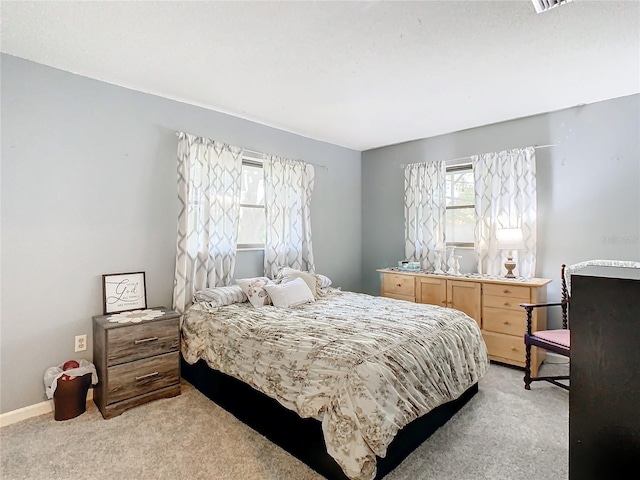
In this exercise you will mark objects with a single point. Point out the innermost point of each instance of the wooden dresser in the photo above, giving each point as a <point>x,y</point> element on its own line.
<point>135,362</point>
<point>493,303</point>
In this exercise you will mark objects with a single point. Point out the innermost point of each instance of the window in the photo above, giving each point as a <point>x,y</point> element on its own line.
<point>460,210</point>
<point>251,232</point>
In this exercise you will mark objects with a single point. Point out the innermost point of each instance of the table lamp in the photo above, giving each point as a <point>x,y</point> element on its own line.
<point>510,239</point>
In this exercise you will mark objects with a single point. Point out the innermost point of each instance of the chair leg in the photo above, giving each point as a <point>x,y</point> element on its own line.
<point>527,367</point>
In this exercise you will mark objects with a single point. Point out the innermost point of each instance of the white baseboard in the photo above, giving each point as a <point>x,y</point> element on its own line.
<point>31,411</point>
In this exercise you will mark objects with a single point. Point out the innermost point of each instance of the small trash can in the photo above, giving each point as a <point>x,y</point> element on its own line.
<point>68,384</point>
<point>70,397</point>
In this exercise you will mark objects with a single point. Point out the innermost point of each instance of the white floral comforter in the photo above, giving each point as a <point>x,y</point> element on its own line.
<point>364,366</point>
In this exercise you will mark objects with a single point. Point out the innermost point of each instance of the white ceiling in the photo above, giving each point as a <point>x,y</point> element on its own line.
<point>356,74</point>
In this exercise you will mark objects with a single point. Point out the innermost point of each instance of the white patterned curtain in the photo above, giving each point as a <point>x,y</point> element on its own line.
<point>505,190</point>
<point>209,181</point>
<point>424,212</point>
<point>288,186</point>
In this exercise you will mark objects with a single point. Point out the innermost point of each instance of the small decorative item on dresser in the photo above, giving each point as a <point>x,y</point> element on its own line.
<point>137,358</point>
<point>409,266</point>
<point>453,263</point>
<point>509,239</point>
<point>438,263</point>
<point>123,291</point>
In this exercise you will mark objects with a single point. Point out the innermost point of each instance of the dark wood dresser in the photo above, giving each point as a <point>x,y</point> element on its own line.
<point>135,362</point>
<point>604,401</point>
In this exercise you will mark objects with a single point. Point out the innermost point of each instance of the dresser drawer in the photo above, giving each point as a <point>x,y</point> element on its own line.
<point>503,320</point>
<point>143,376</point>
<point>399,284</point>
<point>397,296</point>
<point>507,291</point>
<point>506,348</point>
<point>510,303</point>
<point>143,340</point>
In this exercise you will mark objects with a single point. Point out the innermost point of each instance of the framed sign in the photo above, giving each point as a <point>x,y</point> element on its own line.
<point>123,291</point>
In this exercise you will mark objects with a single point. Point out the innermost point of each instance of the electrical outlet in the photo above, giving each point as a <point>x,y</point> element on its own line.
<point>81,343</point>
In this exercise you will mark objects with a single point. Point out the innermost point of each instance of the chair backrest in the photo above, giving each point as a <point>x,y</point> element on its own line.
<point>565,297</point>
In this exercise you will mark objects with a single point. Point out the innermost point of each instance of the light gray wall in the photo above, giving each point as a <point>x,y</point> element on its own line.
<point>588,186</point>
<point>89,187</point>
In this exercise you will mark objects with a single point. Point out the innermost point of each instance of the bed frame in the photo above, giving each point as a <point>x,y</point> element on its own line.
<point>302,437</point>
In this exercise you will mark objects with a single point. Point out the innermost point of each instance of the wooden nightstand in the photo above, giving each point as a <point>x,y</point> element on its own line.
<point>135,362</point>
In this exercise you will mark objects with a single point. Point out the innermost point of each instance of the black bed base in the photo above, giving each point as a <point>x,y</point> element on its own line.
<point>302,437</point>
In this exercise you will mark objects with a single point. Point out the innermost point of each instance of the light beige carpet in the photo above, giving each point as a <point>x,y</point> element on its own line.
<point>504,432</point>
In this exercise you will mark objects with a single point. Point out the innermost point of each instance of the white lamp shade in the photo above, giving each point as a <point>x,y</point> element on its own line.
<point>510,239</point>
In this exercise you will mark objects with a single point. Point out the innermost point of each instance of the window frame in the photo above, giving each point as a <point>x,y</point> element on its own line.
<point>458,167</point>
<point>249,160</point>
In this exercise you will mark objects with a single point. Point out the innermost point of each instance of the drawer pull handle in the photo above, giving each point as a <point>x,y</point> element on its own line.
<point>507,304</point>
<point>148,375</point>
<point>145,340</point>
<point>505,291</point>
<point>514,349</point>
<point>506,322</point>
<point>399,285</point>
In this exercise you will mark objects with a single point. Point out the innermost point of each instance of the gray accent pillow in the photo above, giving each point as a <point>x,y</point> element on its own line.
<point>221,296</point>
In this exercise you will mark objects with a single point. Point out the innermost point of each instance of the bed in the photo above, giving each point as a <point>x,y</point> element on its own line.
<point>349,383</point>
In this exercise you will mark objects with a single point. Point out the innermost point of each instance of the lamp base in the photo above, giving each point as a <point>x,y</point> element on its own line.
<point>509,265</point>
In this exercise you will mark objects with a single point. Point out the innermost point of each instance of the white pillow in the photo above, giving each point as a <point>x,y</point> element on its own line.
<point>221,296</point>
<point>289,294</point>
<point>286,274</point>
<point>253,288</point>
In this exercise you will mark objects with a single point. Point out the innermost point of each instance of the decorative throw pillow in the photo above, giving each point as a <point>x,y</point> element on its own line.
<point>253,288</point>
<point>289,294</point>
<point>221,296</point>
<point>287,274</point>
<point>324,280</point>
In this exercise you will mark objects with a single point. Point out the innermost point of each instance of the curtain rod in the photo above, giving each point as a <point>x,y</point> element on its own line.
<point>255,152</point>
<point>402,165</point>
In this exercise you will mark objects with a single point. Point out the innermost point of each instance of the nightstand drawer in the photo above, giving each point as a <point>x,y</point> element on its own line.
<point>141,341</point>
<point>502,320</point>
<point>399,284</point>
<point>143,376</point>
<point>510,291</point>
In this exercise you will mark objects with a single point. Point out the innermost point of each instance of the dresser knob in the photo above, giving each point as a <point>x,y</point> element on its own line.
<point>505,291</point>
<point>505,322</point>
<point>514,349</point>
<point>507,304</point>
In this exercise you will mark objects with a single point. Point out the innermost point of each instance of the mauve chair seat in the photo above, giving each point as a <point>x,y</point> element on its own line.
<point>559,337</point>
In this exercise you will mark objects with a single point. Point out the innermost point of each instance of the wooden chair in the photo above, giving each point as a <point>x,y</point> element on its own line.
<point>557,341</point>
